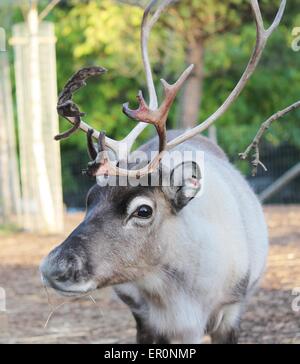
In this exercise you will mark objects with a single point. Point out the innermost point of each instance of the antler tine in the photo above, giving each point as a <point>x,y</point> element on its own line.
<point>66,107</point>
<point>146,27</point>
<point>158,117</point>
<point>101,163</point>
<point>92,152</point>
<point>262,37</point>
<point>171,91</point>
<point>70,111</point>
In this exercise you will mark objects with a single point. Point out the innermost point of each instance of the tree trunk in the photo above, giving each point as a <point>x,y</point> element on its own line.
<point>191,99</point>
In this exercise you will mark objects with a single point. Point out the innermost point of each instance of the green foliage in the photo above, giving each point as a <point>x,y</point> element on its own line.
<point>208,17</point>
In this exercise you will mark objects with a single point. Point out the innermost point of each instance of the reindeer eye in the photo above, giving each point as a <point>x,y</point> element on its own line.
<point>144,212</point>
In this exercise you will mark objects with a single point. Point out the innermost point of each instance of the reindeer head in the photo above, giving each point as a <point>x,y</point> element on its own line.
<point>125,234</point>
<point>128,229</point>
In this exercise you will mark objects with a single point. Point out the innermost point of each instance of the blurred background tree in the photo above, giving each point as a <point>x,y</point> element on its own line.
<point>216,35</point>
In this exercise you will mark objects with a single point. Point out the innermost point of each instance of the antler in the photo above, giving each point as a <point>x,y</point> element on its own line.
<point>65,102</point>
<point>66,107</point>
<point>148,23</point>
<point>158,116</point>
<point>261,40</point>
<point>254,146</point>
<point>70,111</point>
<point>144,114</point>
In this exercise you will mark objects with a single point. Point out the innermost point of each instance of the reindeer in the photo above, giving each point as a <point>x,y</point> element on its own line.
<point>184,257</point>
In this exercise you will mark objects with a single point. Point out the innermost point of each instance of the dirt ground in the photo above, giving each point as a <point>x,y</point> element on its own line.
<point>269,317</point>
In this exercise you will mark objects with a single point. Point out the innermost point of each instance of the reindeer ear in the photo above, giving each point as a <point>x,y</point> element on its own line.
<point>185,183</point>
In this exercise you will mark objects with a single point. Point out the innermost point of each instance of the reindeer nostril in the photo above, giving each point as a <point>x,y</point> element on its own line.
<point>65,273</point>
<point>62,278</point>
<point>59,272</point>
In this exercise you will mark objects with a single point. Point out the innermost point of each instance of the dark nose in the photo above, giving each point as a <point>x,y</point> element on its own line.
<point>56,270</point>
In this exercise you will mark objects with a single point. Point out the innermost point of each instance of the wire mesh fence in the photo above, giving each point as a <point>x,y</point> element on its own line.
<point>281,183</point>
